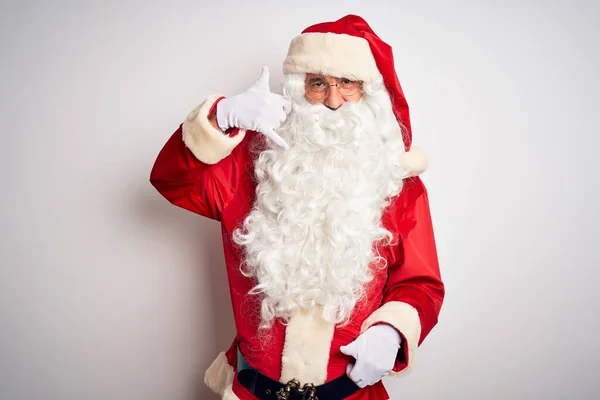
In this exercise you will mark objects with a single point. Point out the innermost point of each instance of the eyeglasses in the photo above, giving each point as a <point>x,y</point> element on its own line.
<point>317,88</point>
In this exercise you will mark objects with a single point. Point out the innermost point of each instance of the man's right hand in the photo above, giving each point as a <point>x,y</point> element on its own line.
<point>257,109</point>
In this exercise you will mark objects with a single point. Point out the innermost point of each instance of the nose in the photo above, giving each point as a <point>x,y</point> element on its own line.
<point>334,99</point>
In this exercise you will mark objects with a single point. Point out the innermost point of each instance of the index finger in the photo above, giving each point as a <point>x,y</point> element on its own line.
<point>278,140</point>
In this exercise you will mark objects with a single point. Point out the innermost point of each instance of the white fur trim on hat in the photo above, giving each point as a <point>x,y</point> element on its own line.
<point>415,162</point>
<point>219,375</point>
<point>208,144</point>
<point>331,54</point>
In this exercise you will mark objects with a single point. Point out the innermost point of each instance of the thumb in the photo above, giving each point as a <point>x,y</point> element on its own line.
<point>263,80</point>
<point>350,349</point>
<point>349,369</point>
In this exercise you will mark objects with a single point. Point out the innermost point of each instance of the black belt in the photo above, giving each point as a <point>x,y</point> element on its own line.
<point>266,388</point>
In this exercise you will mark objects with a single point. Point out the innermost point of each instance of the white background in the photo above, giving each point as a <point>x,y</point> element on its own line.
<point>108,292</point>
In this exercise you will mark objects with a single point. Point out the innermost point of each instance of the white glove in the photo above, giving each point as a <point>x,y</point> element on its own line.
<point>256,109</point>
<point>375,351</point>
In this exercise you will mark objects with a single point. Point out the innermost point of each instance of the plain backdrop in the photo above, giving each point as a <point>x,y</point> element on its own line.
<point>107,292</point>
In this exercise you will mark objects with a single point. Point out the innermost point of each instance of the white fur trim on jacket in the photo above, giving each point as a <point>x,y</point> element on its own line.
<point>229,395</point>
<point>403,317</point>
<point>308,340</point>
<point>208,144</point>
<point>415,162</point>
<point>219,375</point>
<point>332,54</point>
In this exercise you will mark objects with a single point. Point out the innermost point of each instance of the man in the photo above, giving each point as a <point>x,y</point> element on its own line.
<point>328,239</point>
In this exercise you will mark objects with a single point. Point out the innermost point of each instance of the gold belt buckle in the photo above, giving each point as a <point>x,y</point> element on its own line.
<point>284,393</point>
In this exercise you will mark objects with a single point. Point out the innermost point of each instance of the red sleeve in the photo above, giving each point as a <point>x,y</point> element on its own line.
<point>416,278</point>
<point>414,291</point>
<point>191,184</point>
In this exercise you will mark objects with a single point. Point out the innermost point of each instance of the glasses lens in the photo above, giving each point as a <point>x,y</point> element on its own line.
<point>317,87</point>
<point>348,87</point>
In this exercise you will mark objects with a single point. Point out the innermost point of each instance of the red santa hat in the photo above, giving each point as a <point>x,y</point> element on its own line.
<point>348,47</point>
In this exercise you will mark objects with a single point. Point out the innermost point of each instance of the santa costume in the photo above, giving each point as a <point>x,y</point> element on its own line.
<point>318,245</point>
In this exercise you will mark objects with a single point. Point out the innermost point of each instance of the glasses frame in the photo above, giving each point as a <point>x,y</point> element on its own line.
<point>325,93</point>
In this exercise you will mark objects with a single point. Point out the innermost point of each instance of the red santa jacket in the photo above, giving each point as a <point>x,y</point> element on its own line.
<point>204,171</point>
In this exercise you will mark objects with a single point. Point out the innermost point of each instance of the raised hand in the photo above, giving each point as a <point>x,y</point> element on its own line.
<point>257,109</point>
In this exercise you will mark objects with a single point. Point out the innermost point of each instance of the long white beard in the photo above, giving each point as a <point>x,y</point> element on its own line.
<point>311,237</point>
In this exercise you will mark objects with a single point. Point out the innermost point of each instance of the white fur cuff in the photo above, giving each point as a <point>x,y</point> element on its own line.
<point>415,162</point>
<point>219,375</point>
<point>208,144</point>
<point>229,395</point>
<point>403,317</point>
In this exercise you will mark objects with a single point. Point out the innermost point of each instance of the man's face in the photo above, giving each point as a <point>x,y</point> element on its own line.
<point>331,91</point>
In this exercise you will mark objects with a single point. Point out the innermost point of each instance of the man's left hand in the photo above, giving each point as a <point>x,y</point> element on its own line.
<point>375,352</point>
